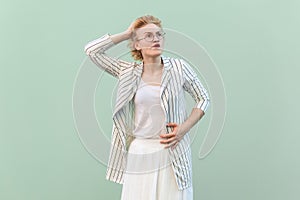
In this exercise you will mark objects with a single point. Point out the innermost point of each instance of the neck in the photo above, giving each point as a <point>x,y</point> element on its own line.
<point>152,64</point>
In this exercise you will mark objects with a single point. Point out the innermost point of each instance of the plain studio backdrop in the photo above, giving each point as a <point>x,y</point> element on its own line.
<point>255,45</point>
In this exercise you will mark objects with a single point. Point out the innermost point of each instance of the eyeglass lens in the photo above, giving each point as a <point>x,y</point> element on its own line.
<point>150,36</point>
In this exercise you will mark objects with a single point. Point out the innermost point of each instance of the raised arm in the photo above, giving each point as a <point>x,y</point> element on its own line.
<point>96,51</point>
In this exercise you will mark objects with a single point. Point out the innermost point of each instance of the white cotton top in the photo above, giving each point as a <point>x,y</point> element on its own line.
<point>149,115</point>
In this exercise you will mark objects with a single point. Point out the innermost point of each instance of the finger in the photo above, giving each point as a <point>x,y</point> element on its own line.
<point>171,145</point>
<point>167,141</point>
<point>167,135</point>
<point>172,124</point>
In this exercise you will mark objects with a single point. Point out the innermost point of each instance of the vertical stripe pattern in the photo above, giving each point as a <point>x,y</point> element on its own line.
<point>177,77</point>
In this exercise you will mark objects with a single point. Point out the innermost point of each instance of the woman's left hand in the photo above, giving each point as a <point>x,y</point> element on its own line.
<point>172,139</point>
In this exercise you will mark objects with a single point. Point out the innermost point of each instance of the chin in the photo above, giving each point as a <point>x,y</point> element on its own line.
<point>155,53</point>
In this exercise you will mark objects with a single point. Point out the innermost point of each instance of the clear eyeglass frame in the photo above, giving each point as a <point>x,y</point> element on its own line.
<point>149,37</point>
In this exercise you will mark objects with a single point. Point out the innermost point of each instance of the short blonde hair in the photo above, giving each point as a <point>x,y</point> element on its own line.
<point>138,23</point>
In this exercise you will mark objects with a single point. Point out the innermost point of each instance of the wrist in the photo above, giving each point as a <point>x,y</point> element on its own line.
<point>127,34</point>
<point>185,127</point>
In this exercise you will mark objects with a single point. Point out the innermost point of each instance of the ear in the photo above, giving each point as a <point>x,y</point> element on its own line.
<point>137,46</point>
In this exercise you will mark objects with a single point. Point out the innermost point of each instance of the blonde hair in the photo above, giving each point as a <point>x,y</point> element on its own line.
<point>138,23</point>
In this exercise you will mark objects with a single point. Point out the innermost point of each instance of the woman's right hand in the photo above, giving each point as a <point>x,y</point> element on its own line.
<point>130,29</point>
<point>125,35</point>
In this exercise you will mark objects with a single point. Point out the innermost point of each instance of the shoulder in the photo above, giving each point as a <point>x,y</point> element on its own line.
<point>179,65</point>
<point>173,62</point>
<point>170,59</point>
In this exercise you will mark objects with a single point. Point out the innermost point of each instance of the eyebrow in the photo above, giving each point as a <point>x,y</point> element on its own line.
<point>152,32</point>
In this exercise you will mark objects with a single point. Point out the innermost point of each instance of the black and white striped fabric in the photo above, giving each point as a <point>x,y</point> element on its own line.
<point>177,77</point>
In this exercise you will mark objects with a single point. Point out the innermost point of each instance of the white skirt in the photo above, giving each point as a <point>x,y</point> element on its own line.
<point>149,173</point>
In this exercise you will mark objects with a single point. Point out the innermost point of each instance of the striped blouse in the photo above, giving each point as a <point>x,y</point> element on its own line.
<point>177,77</point>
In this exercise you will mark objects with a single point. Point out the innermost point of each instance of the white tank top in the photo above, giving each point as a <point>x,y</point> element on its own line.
<point>149,115</point>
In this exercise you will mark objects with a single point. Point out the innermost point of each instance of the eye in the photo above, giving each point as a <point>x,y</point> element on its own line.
<point>159,34</point>
<point>148,35</point>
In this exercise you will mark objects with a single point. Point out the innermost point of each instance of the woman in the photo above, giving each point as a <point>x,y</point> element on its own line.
<point>150,152</point>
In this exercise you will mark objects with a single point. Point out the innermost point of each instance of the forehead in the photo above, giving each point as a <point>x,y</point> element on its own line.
<point>148,28</point>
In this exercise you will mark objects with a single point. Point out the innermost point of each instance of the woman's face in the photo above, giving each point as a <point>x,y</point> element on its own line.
<point>150,40</point>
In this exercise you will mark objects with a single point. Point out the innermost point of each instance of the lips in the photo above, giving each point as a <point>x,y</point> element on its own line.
<point>156,45</point>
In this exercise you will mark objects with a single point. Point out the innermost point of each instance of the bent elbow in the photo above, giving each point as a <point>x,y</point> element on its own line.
<point>87,49</point>
<point>203,104</point>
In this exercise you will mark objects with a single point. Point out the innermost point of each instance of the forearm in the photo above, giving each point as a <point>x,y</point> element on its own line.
<point>119,37</point>
<point>96,51</point>
<point>101,44</point>
<point>194,117</point>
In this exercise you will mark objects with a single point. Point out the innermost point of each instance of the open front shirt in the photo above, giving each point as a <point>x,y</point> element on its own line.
<point>177,77</point>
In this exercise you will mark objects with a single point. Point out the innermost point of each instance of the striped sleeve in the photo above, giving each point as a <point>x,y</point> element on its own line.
<point>96,51</point>
<point>194,87</point>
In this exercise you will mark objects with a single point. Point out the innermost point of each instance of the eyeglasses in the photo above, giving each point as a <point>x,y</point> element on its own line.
<point>149,37</point>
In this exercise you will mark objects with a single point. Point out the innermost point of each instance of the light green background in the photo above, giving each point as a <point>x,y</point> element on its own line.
<point>254,43</point>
